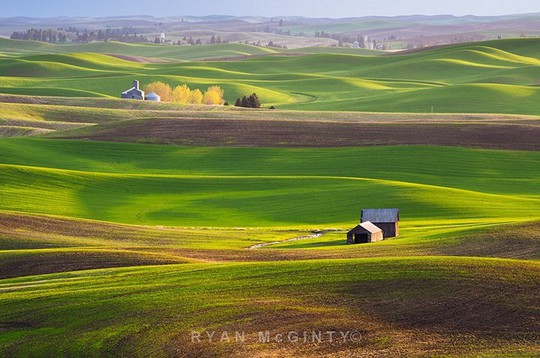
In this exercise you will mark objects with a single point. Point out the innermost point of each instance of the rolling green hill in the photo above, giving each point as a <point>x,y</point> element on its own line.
<point>490,77</point>
<point>173,53</point>
<point>262,187</point>
<point>148,311</point>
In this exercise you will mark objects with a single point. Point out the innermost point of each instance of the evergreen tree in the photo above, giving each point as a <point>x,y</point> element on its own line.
<point>245,102</point>
<point>254,101</point>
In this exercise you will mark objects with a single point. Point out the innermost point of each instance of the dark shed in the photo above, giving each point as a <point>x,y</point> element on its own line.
<point>386,219</point>
<point>364,233</point>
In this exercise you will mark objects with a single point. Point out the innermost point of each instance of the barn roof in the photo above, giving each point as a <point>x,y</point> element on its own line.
<point>369,226</point>
<point>132,89</point>
<point>380,215</point>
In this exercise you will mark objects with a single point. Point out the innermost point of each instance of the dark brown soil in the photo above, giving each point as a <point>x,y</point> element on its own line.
<point>298,133</point>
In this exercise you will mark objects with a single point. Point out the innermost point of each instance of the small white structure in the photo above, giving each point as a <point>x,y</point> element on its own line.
<point>162,38</point>
<point>356,44</point>
<point>368,43</point>
<point>152,96</point>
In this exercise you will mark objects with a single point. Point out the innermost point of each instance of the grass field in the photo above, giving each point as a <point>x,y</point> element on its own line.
<point>105,308</point>
<point>193,212</point>
<point>490,77</point>
<point>125,225</point>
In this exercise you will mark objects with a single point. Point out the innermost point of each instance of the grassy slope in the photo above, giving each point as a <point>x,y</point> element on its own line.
<point>490,77</point>
<point>174,53</point>
<point>150,311</point>
<point>262,187</point>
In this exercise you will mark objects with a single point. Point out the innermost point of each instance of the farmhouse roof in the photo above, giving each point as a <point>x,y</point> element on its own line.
<point>369,226</point>
<point>380,215</point>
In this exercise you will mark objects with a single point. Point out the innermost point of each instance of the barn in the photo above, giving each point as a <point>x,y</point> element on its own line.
<point>364,233</point>
<point>134,92</point>
<point>386,219</point>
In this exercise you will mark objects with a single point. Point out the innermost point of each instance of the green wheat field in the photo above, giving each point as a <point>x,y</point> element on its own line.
<point>126,226</point>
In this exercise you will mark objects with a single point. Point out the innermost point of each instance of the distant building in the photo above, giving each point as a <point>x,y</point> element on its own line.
<point>370,45</point>
<point>152,96</point>
<point>134,92</point>
<point>386,219</point>
<point>162,38</point>
<point>356,44</point>
<point>364,233</point>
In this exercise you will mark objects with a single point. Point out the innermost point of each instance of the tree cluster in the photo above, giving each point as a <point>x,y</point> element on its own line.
<point>185,95</point>
<point>248,102</point>
<point>269,44</point>
<point>51,36</point>
<point>190,41</point>
<point>126,34</point>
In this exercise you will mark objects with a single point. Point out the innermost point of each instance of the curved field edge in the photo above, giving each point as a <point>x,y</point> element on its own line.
<point>152,310</point>
<point>36,244</point>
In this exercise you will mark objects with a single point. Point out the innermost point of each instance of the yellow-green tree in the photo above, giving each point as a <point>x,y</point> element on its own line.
<point>213,95</point>
<point>197,96</point>
<point>161,89</point>
<point>181,94</point>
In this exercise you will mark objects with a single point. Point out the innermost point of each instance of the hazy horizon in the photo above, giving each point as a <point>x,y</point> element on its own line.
<point>307,8</point>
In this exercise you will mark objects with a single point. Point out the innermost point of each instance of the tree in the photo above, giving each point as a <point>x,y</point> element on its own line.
<point>181,94</point>
<point>161,89</point>
<point>196,96</point>
<point>254,101</point>
<point>245,102</point>
<point>238,102</point>
<point>361,41</point>
<point>213,96</point>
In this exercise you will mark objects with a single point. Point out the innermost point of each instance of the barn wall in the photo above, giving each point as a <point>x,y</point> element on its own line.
<point>378,236</point>
<point>389,229</point>
<point>350,238</point>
